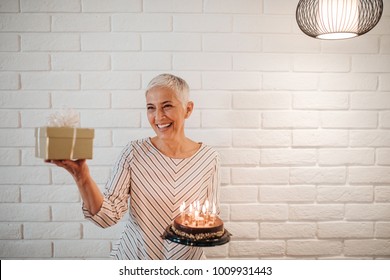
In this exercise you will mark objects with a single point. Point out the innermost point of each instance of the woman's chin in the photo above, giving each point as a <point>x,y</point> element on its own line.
<point>163,134</point>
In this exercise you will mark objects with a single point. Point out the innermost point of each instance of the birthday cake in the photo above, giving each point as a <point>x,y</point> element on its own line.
<point>202,228</point>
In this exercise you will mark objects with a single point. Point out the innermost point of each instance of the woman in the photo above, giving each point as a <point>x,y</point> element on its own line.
<point>153,176</point>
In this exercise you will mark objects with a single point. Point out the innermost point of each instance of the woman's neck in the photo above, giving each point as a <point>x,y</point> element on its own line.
<point>182,148</point>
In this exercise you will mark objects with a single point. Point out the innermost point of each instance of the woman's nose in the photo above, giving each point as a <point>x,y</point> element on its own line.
<point>159,115</point>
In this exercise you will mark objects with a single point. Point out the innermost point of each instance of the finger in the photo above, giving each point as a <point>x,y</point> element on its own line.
<point>72,168</point>
<point>63,164</point>
<point>56,162</point>
<point>68,165</point>
<point>81,162</point>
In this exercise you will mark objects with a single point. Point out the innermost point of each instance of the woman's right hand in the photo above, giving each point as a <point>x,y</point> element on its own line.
<point>77,168</point>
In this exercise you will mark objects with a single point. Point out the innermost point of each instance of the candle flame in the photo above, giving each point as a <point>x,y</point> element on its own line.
<point>182,206</point>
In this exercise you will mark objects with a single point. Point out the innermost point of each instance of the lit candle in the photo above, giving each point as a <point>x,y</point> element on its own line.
<point>183,214</point>
<point>207,209</point>
<point>196,217</point>
<point>207,205</point>
<point>205,214</point>
<point>190,216</point>
<point>214,212</point>
<point>201,221</point>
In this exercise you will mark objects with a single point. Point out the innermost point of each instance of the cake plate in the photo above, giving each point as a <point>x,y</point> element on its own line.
<point>170,235</point>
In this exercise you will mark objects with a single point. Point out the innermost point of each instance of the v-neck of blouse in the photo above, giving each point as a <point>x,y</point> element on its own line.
<point>175,160</point>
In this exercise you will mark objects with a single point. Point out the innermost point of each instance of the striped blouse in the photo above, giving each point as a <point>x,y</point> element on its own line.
<point>154,186</point>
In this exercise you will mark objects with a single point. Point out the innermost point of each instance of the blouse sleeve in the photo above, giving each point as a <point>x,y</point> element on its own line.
<point>116,194</point>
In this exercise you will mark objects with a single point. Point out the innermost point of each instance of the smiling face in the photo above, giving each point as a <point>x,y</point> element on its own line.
<point>166,113</point>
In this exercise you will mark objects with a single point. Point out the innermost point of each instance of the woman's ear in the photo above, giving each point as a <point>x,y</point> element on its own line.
<point>189,108</point>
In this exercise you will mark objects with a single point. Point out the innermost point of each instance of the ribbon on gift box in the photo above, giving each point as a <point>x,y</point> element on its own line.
<point>73,142</point>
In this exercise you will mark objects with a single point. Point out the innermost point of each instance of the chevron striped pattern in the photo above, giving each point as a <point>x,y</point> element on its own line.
<point>154,186</point>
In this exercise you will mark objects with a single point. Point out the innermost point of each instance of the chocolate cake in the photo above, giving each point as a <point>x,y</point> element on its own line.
<point>189,228</point>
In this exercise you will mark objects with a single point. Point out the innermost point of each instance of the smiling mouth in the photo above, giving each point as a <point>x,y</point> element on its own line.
<point>161,126</point>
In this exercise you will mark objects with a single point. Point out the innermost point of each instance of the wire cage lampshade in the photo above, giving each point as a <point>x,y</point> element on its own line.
<point>338,19</point>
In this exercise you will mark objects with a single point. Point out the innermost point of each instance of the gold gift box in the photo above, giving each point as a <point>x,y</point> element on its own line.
<point>57,143</point>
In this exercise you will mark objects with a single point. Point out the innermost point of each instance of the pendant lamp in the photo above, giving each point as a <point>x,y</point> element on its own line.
<point>338,19</point>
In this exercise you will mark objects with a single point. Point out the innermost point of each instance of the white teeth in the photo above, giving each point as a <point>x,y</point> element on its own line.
<point>163,125</point>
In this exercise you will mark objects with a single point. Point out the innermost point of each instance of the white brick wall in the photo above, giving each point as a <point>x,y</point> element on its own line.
<point>302,125</point>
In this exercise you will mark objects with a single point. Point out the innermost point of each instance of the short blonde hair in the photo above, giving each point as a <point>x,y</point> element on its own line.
<point>177,84</point>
